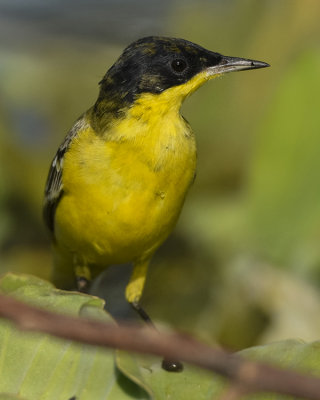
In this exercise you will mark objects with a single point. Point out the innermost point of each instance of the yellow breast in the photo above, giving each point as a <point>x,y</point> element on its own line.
<point>123,191</point>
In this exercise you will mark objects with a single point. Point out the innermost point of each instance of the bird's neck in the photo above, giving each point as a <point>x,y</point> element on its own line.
<point>152,125</point>
<point>153,108</point>
<point>114,103</point>
<point>148,108</point>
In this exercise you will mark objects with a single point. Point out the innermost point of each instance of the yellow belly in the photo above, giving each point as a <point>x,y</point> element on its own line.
<point>123,197</point>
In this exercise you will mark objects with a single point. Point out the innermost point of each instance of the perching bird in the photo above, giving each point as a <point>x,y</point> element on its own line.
<point>119,179</point>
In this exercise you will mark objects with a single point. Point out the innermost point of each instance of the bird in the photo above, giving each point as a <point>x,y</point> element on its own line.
<point>118,181</point>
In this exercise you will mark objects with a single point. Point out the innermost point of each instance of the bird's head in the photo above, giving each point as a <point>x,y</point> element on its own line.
<point>169,68</point>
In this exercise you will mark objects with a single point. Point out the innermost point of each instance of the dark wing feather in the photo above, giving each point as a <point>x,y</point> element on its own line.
<point>54,185</point>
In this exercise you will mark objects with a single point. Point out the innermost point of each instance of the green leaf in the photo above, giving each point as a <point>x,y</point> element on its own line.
<point>290,354</point>
<point>194,383</point>
<point>146,371</point>
<point>36,366</point>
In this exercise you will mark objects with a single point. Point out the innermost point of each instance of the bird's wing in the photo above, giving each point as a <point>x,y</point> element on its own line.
<point>54,185</point>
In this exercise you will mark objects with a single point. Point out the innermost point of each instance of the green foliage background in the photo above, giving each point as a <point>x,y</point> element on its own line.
<point>242,266</point>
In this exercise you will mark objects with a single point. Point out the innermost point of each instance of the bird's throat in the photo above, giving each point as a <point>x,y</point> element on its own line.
<point>111,108</point>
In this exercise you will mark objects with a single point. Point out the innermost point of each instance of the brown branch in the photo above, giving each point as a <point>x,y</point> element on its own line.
<point>234,392</point>
<point>251,376</point>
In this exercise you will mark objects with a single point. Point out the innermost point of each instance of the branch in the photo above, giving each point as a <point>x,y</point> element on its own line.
<point>250,376</point>
<point>234,392</point>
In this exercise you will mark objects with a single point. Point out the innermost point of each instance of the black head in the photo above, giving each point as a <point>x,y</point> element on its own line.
<point>155,64</point>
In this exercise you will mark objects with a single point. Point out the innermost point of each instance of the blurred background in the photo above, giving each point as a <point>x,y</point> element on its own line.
<point>243,264</point>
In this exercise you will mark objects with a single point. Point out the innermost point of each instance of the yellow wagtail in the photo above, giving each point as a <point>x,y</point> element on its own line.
<point>119,179</point>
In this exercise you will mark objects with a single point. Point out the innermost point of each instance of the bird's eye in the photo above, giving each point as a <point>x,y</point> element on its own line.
<point>179,65</point>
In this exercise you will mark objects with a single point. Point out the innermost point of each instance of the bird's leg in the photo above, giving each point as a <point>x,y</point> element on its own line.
<point>134,291</point>
<point>83,278</point>
<point>142,313</point>
<point>135,287</point>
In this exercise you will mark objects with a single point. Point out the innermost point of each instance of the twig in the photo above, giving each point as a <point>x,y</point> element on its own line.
<point>234,392</point>
<point>252,376</point>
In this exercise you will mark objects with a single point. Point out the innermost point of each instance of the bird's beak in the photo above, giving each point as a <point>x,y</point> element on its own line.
<point>230,64</point>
